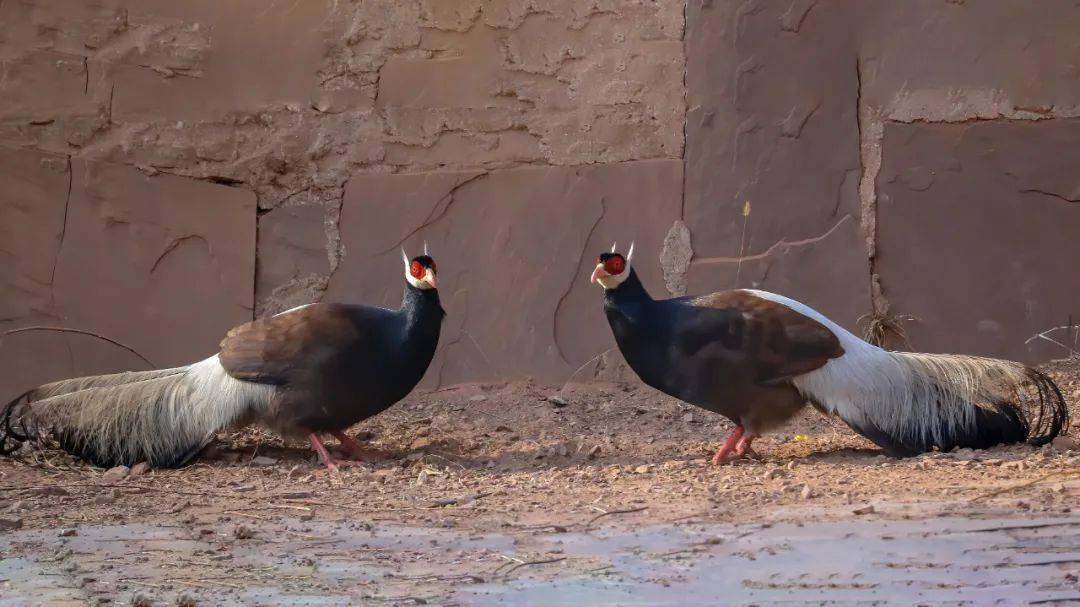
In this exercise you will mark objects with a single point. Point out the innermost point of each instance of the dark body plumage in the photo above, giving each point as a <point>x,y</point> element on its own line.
<point>730,353</point>
<point>337,364</point>
<point>758,358</point>
<point>317,368</point>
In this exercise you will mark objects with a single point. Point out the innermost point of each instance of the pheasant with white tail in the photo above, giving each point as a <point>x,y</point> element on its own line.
<point>319,368</point>
<point>758,358</point>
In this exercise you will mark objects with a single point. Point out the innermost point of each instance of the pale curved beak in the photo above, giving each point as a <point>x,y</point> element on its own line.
<point>429,277</point>
<point>598,273</point>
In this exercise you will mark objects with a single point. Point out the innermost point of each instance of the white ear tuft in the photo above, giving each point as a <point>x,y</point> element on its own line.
<point>425,248</point>
<point>631,253</point>
<point>613,246</point>
<point>405,258</point>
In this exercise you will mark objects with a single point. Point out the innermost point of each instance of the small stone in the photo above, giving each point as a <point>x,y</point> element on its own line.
<point>790,465</point>
<point>806,492</point>
<point>688,418</point>
<point>594,452</point>
<point>479,398</point>
<point>642,469</point>
<point>243,532</point>
<point>558,401</point>
<point>422,442</point>
<point>562,451</point>
<point>141,600</point>
<point>868,509</point>
<point>1066,443</point>
<point>771,473</point>
<point>70,532</point>
<point>8,523</point>
<point>714,541</point>
<point>262,460</point>
<point>139,469</point>
<point>115,473</point>
<point>186,600</point>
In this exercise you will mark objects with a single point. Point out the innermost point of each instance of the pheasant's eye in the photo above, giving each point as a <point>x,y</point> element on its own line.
<point>416,269</point>
<point>615,265</point>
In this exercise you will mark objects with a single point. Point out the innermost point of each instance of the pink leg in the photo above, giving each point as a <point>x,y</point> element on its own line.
<point>324,456</point>
<point>357,451</point>
<point>743,448</point>
<point>730,444</point>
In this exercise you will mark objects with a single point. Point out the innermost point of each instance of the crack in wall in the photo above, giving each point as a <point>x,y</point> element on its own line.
<point>1050,194</point>
<point>53,310</point>
<point>871,130</point>
<point>778,246</point>
<point>63,225</point>
<point>172,246</point>
<point>449,199</point>
<point>573,281</point>
<point>685,111</point>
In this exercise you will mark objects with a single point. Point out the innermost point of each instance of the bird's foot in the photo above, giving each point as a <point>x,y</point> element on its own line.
<point>736,447</point>
<point>358,453</point>
<point>725,452</point>
<point>333,465</point>
<point>744,450</point>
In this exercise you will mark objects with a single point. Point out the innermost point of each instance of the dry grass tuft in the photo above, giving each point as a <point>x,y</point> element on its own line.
<point>885,329</point>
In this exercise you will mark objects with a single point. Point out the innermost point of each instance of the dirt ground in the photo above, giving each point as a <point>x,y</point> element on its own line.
<point>505,466</point>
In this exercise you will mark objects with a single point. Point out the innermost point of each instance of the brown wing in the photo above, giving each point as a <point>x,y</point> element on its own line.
<point>779,341</point>
<point>270,350</point>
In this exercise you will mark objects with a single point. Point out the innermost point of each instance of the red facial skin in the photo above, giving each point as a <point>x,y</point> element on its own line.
<point>613,266</point>
<point>418,271</point>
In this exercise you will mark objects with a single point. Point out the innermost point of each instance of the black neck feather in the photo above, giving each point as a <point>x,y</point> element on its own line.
<point>629,292</point>
<point>419,305</point>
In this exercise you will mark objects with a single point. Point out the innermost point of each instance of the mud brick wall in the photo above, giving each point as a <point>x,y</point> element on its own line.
<point>170,169</point>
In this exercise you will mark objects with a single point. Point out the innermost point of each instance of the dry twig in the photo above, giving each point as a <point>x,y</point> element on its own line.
<point>604,513</point>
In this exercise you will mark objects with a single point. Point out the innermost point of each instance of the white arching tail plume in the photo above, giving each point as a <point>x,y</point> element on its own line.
<point>163,417</point>
<point>909,403</point>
